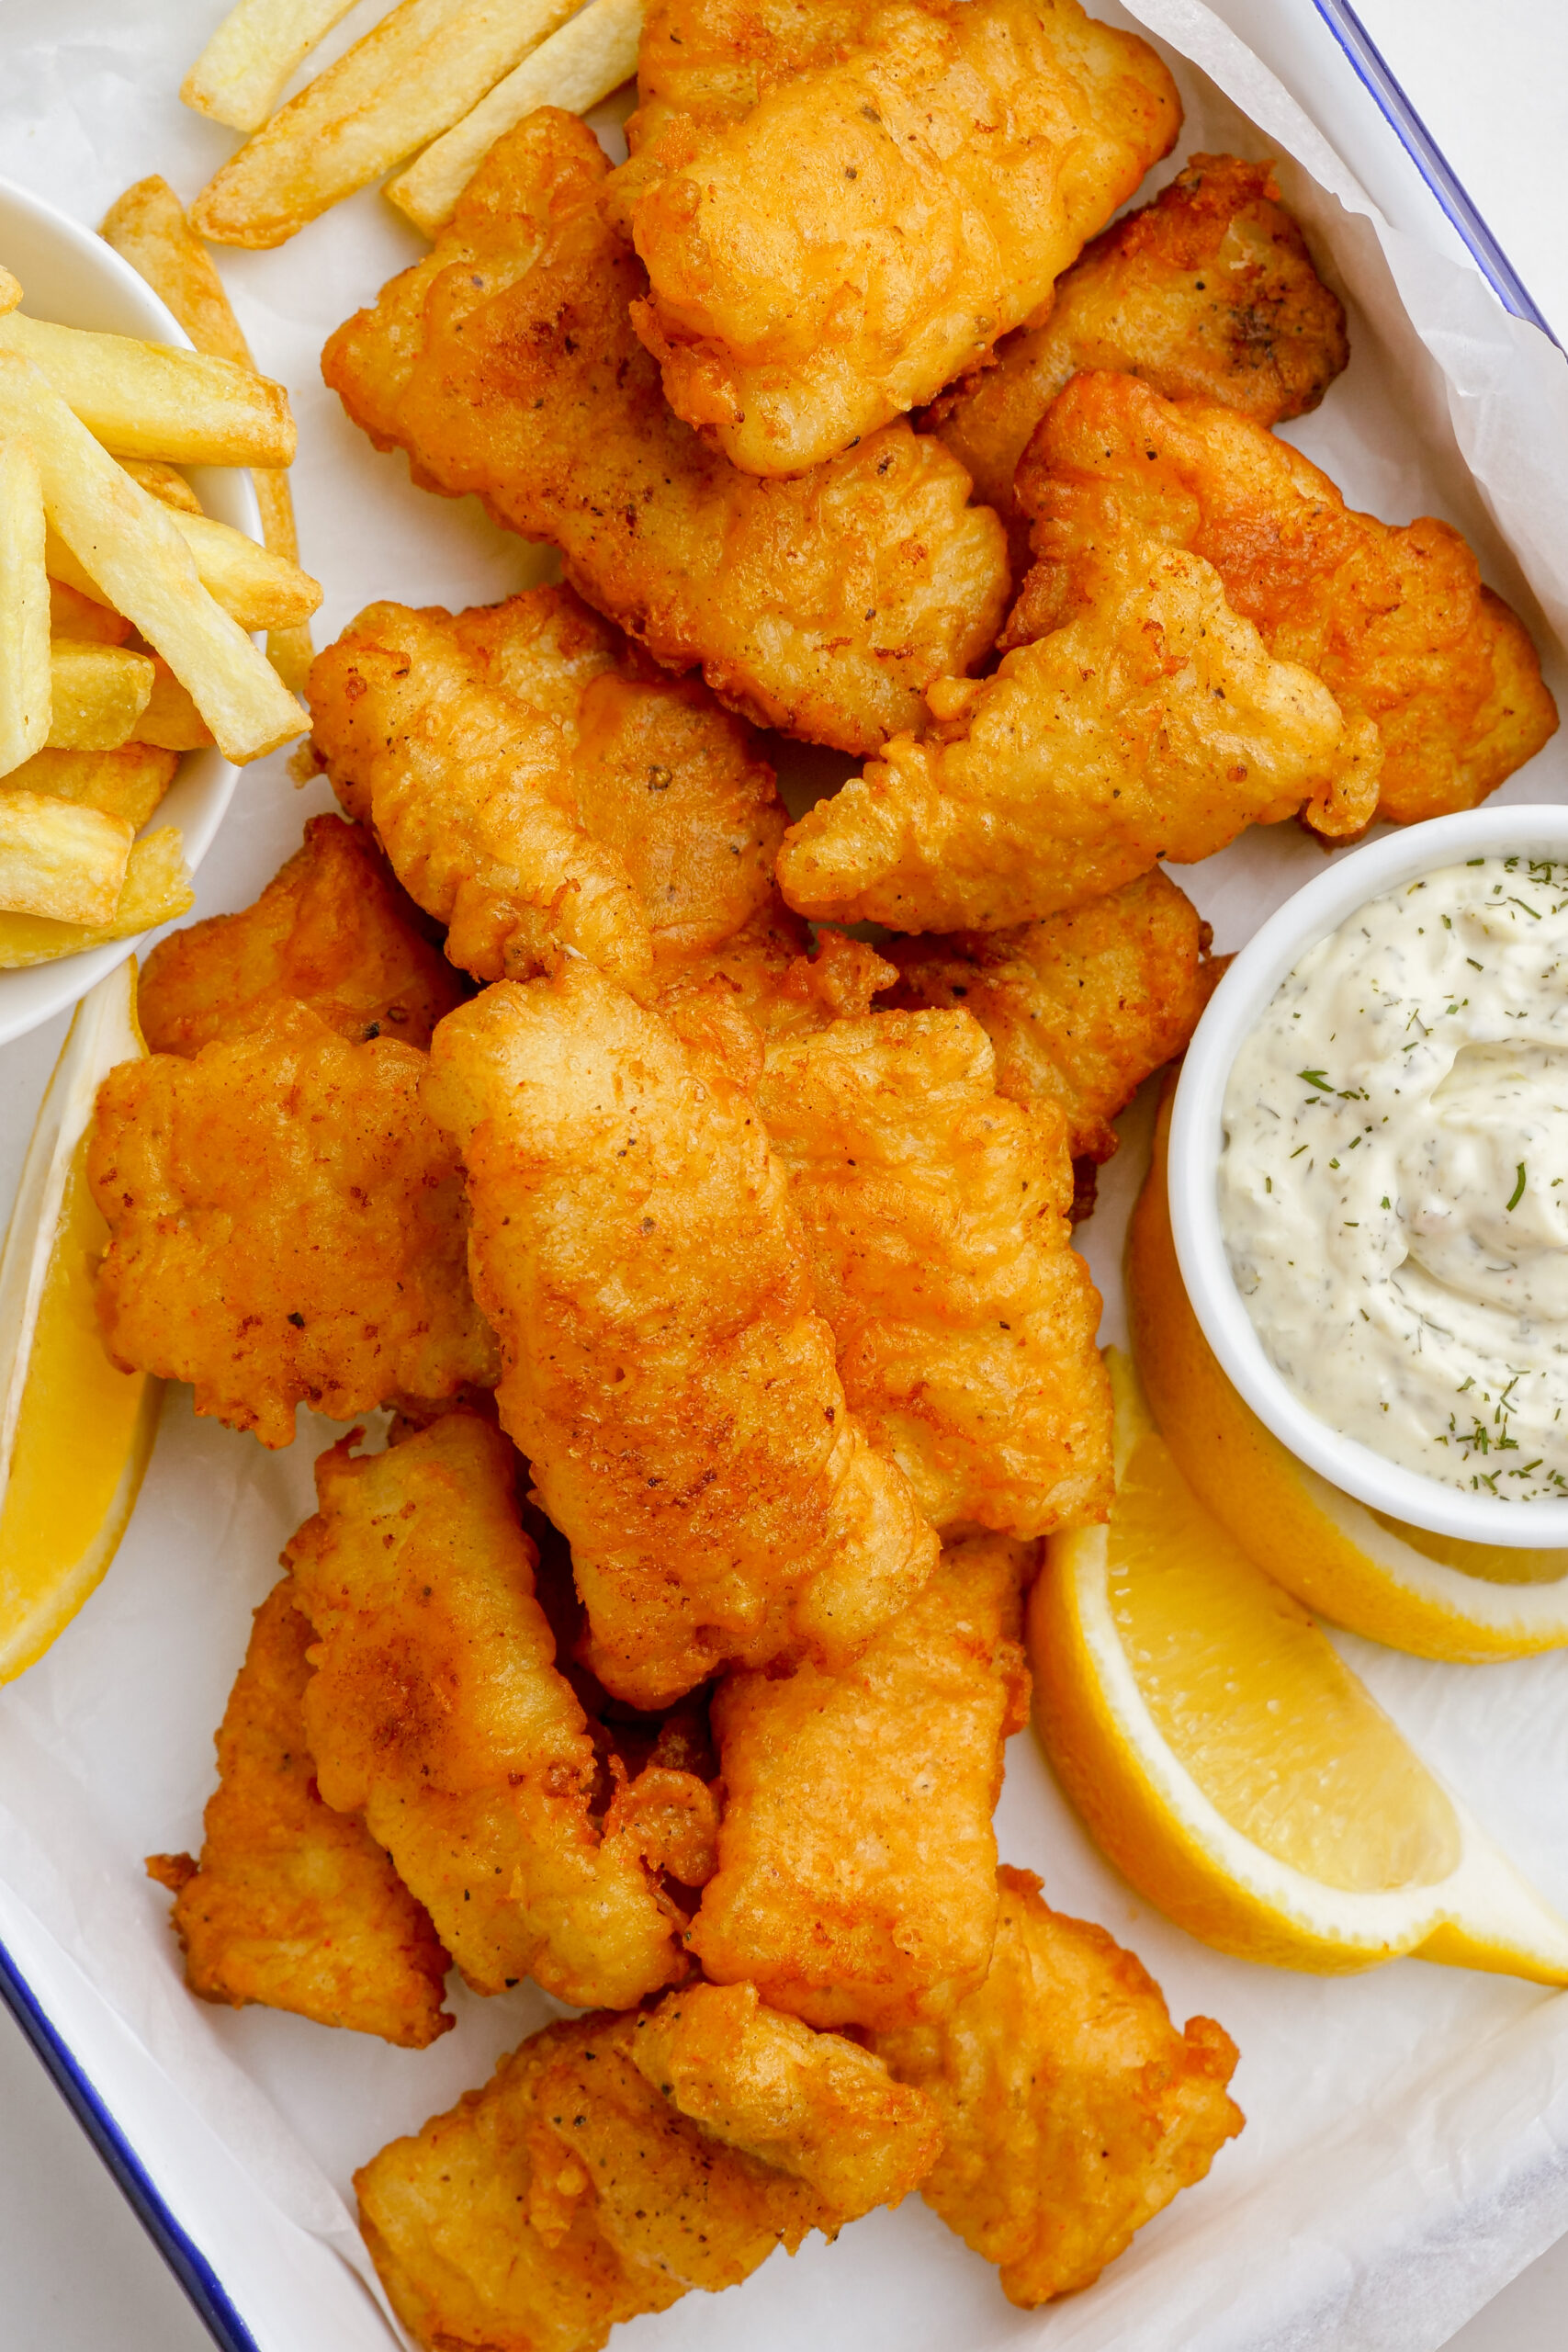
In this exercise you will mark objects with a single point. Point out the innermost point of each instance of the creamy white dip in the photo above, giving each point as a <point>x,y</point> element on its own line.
<point>1394,1188</point>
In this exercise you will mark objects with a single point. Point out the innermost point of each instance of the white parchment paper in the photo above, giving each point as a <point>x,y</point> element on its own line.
<point>1406,2148</point>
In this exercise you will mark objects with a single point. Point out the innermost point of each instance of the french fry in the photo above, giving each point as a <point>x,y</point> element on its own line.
<point>171,719</point>
<point>413,75</point>
<point>157,889</point>
<point>147,399</point>
<point>73,613</point>
<point>25,676</point>
<point>129,782</point>
<point>132,550</point>
<point>162,482</point>
<point>147,226</point>
<point>574,69</point>
<point>258,589</point>
<point>60,859</point>
<point>99,693</point>
<point>10,292</point>
<point>239,77</point>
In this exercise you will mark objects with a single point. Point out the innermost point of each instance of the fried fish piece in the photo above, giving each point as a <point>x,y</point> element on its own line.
<point>856,1857</point>
<point>287,1227</point>
<point>666,1372</point>
<point>1152,722</point>
<point>1073,2111</point>
<point>614,2164</point>
<point>709,61</point>
<point>1394,621</point>
<point>506,364</point>
<point>293,1905</point>
<point>1080,1007</point>
<point>873,223</point>
<point>1208,290</point>
<point>650,785</point>
<point>332,930</point>
<point>435,1711</point>
<point>470,793</point>
<point>936,1214</point>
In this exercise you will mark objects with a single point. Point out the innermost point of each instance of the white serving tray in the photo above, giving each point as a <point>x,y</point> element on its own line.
<point>1408,2144</point>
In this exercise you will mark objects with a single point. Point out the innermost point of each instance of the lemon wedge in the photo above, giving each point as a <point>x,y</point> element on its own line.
<point>76,1434</point>
<point>1396,1584</point>
<point>1231,1765</point>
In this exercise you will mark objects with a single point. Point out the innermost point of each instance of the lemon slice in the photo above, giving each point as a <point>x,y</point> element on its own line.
<point>1429,1594</point>
<point>1232,1766</point>
<point>74,1433</point>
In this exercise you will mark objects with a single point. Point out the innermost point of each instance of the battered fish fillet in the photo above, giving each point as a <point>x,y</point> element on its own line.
<point>577,2190</point>
<point>518,757</point>
<point>875,223</point>
<point>1396,622</point>
<point>287,1227</point>
<point>1073,2111</point>
<point>469,793</point>
<point>1153,722</point>
<point>856,1859</point>
<point>293,1905</point>
<point>936,1215</point>
<point>332,930</point>
<point>1208,290</point>
<point>506,364</point>
<point>665,1371</point>
<point>1082,1007</point>
<point>435,1711</point>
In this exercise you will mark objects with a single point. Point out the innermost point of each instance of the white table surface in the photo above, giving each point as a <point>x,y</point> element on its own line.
<point>76,2273</point>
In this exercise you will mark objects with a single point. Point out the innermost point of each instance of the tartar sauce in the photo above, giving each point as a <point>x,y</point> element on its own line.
<point>1394,1188</point>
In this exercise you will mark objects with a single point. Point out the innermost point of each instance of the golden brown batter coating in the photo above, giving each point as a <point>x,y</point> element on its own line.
<point>506,364</point>
<point>1208,290</point>
<point>936,1215</point>
<point>1080,1007</point>
<point>1073,2111</point>
<point>332,930</point>
<point>287,1227</point>
<point>293,1905</point>
<point>856,1857</point>
<point>666,1373</point>
<point>1151,722</point>
<point>1394,621</point>
<point>436,1711</point>
<point>613,2164</point>
<point>876,220</point>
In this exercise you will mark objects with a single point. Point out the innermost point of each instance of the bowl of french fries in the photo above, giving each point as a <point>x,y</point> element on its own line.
<point>133,581</point>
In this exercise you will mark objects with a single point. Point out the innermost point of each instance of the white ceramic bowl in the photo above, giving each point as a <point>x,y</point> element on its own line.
<point>1198,1136</point>
<point>69,274</point>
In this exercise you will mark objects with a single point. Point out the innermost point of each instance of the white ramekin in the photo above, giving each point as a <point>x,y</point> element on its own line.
<point>69,274</point>
<point>1198,1136</point>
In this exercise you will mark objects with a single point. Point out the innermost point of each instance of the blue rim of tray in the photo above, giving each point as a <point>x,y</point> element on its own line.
<point>184,2258</point>
<point>205,2291</point>
<point>1383,86</point>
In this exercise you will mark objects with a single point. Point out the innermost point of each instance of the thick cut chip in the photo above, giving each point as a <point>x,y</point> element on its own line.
<point>666,1372</point>
<point>471,794</point>
<point>332,930</point>
<point>240,76</point>
<point>253,585</point>
<point>505,363</point>
<point>97,694</point>
<point>936,1214</point>
<point>1080,1007</point>
<point>59,858</point>
<point>574,2191</point>
<point>408,79</point>
<point>293,1905</point>
<point>25,672</point>
<point>1073,2110</point>
<point>151,399</point>
<point>73,613</point>
<point>436,1711</point>
<point>873,224</point>
<point>287,1227</point>
<point>1396,622</point>
<point>856,1857</point>
<point>1152,723</point>
<point>1208,290</point>
<point>129,782</point>
<point>157,889</point>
